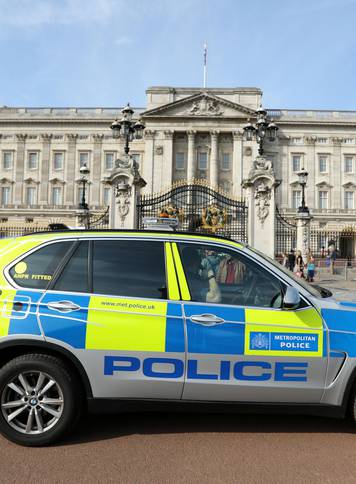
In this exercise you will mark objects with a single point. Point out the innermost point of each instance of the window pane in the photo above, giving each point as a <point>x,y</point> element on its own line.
<point>322,164</point>
<point>83,159</point>
<point>5,195</point>
<point>107,192</point>
<point>323,199</point>
<point>202,161</point>
<point>57,196</point>
<point>129,268</point>
<point>109,161</point>
<point>32,160</point>
<point>296,163</point>
<point>31,196</point>
<point>296,198</point>
<point>136,157</point>
<point>225,162</point>
<point>224,276</point>
<point>58,161</point>
<point>7,159</point>
<point>37,269</point>
<point>74,276</point>
<point>179,161</point>
<point>349,199</point>
<point>348,164</point>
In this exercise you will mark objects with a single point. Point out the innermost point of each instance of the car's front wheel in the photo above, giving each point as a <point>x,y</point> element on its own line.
<point>40,399</point>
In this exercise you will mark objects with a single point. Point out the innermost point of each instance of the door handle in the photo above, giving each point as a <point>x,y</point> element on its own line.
<point>207,319</point>
<point>63,306</point>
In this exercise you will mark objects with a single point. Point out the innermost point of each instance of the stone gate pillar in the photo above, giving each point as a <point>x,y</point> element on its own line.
<point>303,233</point>
<point>260,193</point>
<point>126,183</point>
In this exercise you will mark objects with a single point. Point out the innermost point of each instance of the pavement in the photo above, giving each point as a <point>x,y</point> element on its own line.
<point>199,448</point>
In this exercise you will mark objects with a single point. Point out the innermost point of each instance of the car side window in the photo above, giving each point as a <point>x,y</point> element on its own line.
<point>74,276</point>
<point>224,276</point>
<point>132,268</point>
<point>37,269</point>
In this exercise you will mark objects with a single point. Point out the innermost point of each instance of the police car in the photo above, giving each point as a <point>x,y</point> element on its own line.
<point>90,318</point>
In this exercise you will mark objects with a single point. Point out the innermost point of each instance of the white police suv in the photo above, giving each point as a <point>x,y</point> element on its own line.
<point>91,319</point>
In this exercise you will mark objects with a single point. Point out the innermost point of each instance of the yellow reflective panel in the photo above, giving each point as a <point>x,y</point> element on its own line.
<point>304,318</point>
<point>6,303</point>
<point>180,272</point>
<point>126,324</point>
<point>173,289</point>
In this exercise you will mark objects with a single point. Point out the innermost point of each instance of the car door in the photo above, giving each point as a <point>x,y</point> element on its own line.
<point>116,304</point>
<point>242,346</point>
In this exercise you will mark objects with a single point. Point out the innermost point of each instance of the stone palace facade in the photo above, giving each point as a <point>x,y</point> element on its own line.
<point>190,133</point>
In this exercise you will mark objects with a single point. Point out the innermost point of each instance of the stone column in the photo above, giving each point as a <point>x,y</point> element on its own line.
<point>167,168</point>
<point>20,167</point>
<point>96,170</point>
<point>303,233</point>
<point>148,165</point>
<point>71,175</point>
<point>45,168</point>
<point>260,187</point>
<point>191,164</point>
<point>336,193</point>
<point>214,159</point>
<point>126,183</point>
<point>237,164</point>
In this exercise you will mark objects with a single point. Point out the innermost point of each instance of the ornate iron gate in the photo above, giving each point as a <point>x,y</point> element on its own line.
<point>285,233</point>
<point>198,208</point>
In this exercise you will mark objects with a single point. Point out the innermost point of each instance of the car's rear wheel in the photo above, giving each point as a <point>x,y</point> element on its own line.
<point>40,400</point>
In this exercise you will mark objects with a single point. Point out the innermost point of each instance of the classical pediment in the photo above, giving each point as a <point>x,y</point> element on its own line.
<point>349,185</point>
<point>201,105</point>
<point>323,184</point>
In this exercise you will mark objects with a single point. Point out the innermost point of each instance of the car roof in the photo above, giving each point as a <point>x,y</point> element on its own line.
<point>53,234</point>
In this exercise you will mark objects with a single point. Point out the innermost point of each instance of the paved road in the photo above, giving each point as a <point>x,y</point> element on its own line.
<point>191,448</point>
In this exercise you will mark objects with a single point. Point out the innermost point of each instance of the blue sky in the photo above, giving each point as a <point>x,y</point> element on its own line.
<point>301,53</point>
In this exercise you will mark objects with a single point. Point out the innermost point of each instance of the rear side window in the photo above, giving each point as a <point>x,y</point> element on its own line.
<point>129,268</point>
<point>74,276</point>
<point>37,269</point>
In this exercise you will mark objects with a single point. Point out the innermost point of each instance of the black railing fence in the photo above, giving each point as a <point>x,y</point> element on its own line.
<point>198,208</point>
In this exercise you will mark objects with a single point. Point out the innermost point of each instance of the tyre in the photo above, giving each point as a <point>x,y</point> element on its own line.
<point>40,399</point>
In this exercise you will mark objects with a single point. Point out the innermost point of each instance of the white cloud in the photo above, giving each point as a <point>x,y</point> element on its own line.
<point>31,13</point>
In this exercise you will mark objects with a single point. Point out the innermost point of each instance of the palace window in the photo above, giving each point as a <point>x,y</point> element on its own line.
<point>58,157</point>
<point>109,161</point>
<point>349,164</point>
<point>106,196</point>
<point>83,158</point>
<point>226,185</point>
<point>323,164</point>
<point>225,161</point>
<point>179,161</point>
<point>30,196</point>
<point>57,196</point>
<point>136,157</point>
<point>202,160</point>
<point>323,199</point>
<point>32,160</point>
<point>296,198</point>
<point>296,162</point>
<point>5,195</point>
<point>7,159</point>
<point>349,199</point>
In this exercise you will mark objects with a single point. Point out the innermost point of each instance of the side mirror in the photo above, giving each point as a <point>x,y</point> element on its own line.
<point>291,298</point>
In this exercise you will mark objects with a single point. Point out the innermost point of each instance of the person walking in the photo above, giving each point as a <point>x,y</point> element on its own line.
<point>299,264</point>
<point>291,260</point>
<point>310,269</point>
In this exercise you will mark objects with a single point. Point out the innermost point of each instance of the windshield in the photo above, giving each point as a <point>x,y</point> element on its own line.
<point>301,282</point>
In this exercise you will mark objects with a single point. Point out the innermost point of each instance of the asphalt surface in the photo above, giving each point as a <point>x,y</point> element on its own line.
<point>191,448</point>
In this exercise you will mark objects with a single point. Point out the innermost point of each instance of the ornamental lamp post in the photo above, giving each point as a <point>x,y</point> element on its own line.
<point>84,171</point>
<point>262,129</point>
<point>127,129</point>
<point>302,178</point>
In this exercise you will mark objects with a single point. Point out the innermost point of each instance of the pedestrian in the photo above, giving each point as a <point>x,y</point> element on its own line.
<point>291,260</point>
<point>322,252</point>
<point>285,262</point>
<point>310,269</point>
<point>299,265</point>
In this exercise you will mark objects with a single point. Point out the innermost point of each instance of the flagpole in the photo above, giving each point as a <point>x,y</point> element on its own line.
<point>205,54</point>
